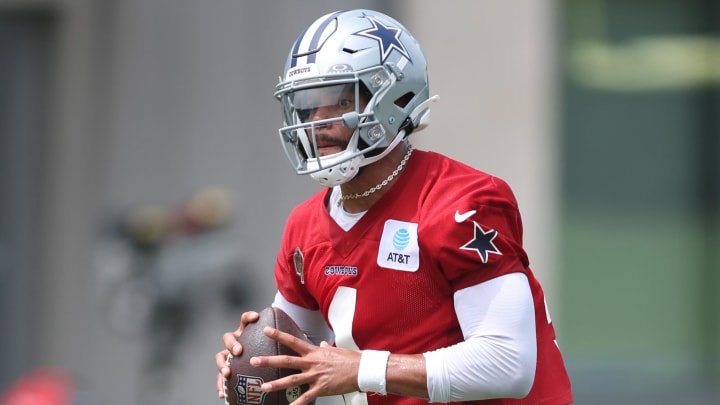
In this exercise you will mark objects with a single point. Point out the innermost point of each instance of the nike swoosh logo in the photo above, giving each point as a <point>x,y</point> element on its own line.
<point>462,217</point>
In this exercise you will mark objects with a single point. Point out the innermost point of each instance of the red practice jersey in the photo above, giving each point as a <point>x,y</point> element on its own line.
<point>388,282</point>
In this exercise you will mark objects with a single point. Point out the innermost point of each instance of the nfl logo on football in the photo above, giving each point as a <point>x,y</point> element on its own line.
<point>248,390</point>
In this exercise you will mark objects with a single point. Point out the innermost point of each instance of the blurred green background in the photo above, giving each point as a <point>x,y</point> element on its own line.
<point>640,245</point>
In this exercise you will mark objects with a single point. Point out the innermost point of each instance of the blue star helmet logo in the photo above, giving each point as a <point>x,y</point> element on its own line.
<point>482,243</point>
<point>388,38</point>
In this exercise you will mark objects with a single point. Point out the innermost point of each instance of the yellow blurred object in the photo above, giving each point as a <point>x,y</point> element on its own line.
<point>148,225</point>
<point>209,208</point>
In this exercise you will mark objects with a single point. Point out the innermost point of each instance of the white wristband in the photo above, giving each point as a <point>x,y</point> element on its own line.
<point>371,373</point>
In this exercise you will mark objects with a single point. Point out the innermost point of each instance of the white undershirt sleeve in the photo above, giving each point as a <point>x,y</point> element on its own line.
<point>310,322</point>
<point>499,354</point>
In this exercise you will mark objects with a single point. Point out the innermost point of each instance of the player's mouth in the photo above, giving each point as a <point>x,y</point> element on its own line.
<point>328,145</point>
<point>329,150</point>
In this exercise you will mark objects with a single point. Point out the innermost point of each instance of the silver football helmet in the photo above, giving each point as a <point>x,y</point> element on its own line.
<point>345,60</point>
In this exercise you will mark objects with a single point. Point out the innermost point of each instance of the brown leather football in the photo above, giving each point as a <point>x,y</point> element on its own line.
<point>243,385</point>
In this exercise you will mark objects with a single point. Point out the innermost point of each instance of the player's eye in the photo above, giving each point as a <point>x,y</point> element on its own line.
<point>304,114</point>
<point>345,103</point>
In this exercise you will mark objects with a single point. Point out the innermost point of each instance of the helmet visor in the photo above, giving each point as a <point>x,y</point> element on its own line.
<point>325,102</point>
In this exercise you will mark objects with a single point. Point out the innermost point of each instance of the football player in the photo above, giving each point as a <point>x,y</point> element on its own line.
<point>408,269</point>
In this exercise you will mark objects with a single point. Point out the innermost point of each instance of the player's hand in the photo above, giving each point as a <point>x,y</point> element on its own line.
<point>328,370</point>
<point>232,345</point>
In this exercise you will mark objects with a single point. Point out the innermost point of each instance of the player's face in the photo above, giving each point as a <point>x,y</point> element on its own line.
<point>326,103</point>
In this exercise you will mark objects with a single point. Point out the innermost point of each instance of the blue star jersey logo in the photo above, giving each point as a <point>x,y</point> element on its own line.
<point>388,38</point>
<point>482,243</point>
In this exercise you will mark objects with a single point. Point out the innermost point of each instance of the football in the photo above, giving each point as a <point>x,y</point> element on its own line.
<point>243,385</point>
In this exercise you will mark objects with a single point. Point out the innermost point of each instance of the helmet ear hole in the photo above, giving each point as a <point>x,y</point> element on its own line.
<point>405,99</point>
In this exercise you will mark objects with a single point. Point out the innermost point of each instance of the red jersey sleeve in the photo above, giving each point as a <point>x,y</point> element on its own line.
<point>475,232</point>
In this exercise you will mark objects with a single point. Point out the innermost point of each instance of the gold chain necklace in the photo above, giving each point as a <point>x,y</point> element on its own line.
<point>382,184</point>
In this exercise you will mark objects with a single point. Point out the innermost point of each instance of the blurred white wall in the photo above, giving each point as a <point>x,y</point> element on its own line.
<point>154,100</point>
<point>493,65</point>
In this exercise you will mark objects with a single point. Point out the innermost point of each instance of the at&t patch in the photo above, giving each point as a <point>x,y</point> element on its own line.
<point>399,249</point>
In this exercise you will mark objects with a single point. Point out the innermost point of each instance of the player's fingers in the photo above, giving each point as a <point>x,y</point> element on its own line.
<point>291,362</point>
<point>246,318</point>
<point>230,339</point>
<point>317,389</point>
<point>220,386</point>
<point>305,398</point>
<point>221,362</point>
<point>231,343</point>
<point>220,359</point>
<point>293,380</point>
<point>298,345</point>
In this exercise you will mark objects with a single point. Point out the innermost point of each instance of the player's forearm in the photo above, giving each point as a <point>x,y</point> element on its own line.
<point>406,375</point>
